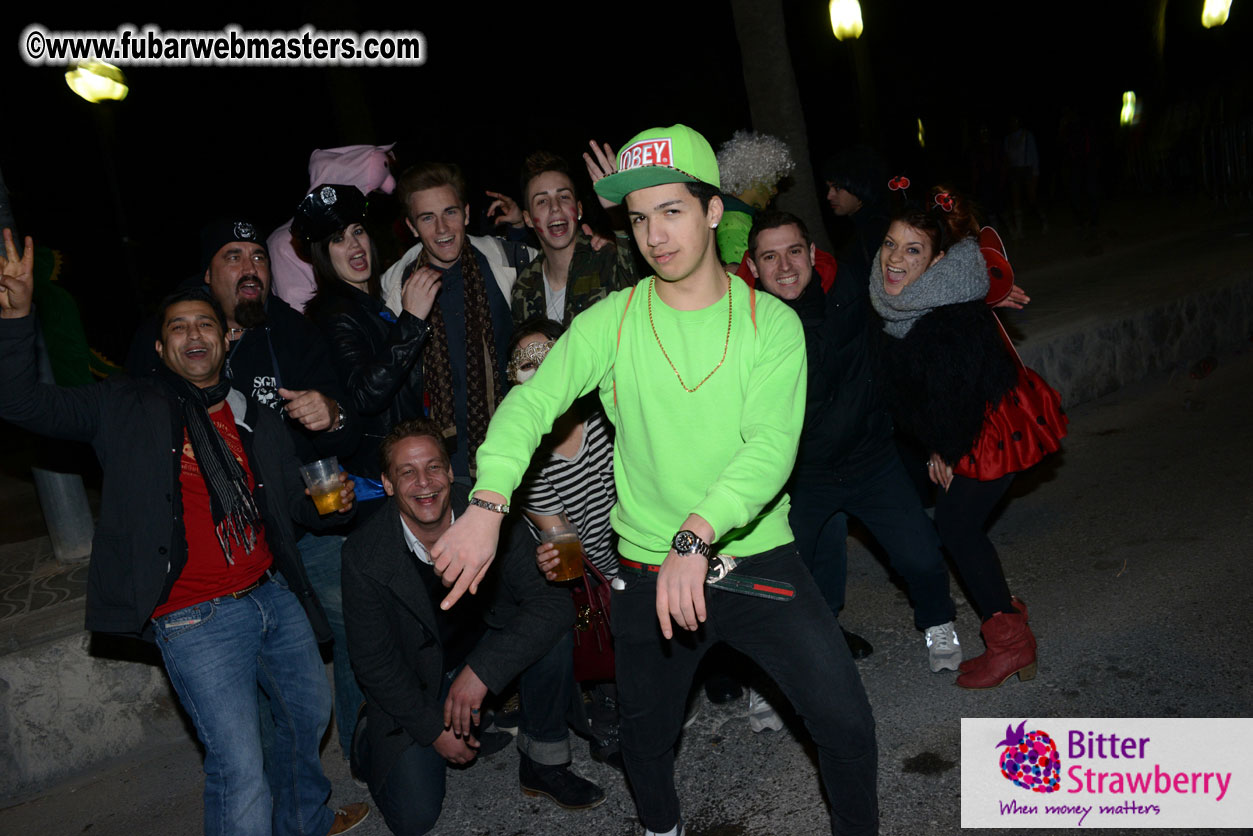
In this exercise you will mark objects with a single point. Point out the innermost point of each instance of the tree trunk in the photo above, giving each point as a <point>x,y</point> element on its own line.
<point>775,103</point>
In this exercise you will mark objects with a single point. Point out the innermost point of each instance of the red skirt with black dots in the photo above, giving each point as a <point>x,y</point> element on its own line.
<point>1027,425</point>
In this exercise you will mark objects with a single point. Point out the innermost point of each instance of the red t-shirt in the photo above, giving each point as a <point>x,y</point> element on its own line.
<point>207,574</point>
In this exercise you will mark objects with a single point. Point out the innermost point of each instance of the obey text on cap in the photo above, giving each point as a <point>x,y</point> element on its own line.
<point>646,152</point>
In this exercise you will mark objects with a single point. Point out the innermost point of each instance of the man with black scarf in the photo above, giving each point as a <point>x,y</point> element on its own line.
<point>282,360</point>
<point>220,587</point>
<point>847,463</point>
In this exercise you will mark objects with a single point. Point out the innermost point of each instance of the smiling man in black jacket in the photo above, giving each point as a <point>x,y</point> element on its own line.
<point>847,463</point>
<point>425,671</point>
<point>195,547</point>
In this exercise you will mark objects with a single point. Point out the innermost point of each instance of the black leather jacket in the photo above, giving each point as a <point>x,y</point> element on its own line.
<point>377,359</point>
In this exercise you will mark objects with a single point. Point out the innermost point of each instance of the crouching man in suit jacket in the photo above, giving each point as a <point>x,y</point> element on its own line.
<point>426,671</point>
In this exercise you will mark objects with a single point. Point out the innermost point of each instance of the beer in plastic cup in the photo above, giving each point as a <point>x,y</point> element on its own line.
<point>569,551</point>
<point>322,480</point>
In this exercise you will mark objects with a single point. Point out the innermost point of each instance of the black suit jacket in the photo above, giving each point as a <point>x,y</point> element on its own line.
<point>394,643</point>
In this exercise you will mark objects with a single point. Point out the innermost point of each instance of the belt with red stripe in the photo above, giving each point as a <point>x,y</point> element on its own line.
<point>722,575</point>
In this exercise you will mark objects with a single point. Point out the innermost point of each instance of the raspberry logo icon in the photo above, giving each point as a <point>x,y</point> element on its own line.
<point>1030,759</point>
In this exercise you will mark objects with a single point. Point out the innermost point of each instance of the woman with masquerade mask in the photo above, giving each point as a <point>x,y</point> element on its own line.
<point>955,383</point>
<point>572,475</point>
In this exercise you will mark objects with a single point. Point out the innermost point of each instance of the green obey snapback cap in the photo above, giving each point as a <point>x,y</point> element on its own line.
<point>676,154</point>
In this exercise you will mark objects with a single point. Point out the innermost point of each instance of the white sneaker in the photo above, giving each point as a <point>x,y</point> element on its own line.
<point>761,714</point>
<point>943,649</point>
<point>677,830</point>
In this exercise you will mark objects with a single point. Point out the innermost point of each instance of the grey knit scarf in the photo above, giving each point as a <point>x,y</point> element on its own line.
<point>960,276</point>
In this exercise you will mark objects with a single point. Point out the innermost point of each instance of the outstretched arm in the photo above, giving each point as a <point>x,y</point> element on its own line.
<point>56,411</point>
<point>575,365</point>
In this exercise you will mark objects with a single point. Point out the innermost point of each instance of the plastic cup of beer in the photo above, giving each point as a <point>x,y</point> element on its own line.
<point>569,550</point>
<point>322,480</point>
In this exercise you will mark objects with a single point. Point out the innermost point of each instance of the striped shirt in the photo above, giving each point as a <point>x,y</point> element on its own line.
<point>582,488</point>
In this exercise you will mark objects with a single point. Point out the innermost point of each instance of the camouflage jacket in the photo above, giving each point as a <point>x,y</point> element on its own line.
<point>593,276</point>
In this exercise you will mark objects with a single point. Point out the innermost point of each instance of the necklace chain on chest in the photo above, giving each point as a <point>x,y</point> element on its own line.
<point>726,345</point>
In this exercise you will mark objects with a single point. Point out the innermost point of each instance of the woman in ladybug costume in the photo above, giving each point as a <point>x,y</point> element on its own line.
<point>955,383</point>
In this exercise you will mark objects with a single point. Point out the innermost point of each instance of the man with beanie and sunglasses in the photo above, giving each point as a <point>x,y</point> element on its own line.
<point>704,381</point>
<point>195,549</point>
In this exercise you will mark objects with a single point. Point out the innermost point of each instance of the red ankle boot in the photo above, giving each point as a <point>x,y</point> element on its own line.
<point>1011,650</point>
<point>977,661</point>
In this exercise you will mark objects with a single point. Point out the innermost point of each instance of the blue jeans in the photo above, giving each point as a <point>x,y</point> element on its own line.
<point>545,693</point>
<point>218,653</point>
<point>796,642</point>
<point>886,503</point>
<point>321,556</point>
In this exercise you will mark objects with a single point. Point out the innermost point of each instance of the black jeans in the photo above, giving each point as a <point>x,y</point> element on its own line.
<point>797,643</point>
<point>886,503</point>
<point>961,513</point>
<point>411,794</point>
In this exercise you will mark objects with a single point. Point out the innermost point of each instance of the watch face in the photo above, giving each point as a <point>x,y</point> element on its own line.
<point>685,542</point>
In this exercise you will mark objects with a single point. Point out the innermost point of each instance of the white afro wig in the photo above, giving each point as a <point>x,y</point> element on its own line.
<point>748,158</point>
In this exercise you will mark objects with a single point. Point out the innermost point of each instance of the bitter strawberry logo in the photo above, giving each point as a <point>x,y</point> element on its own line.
<point>1030,759</point>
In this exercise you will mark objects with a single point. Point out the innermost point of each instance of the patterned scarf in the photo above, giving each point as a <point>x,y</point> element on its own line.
<point>235,514</point>
<point>960,276</point>
<point>483,386</point>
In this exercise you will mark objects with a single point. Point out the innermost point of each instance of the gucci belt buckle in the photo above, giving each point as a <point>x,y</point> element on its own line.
<point>722,575</point>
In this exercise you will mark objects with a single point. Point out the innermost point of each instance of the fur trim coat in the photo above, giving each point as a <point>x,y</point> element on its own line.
<point>943,377</point>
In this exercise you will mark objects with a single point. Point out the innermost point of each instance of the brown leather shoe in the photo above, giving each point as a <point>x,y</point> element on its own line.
<point>348,817</point>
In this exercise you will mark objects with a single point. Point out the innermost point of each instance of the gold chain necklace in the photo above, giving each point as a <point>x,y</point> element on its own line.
<point>657,337</point>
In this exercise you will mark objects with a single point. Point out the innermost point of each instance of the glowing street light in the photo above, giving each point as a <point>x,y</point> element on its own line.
<point>1215,13</point>
<point>1130,114</point>
<point>97,81</point>
<point>846,19</point>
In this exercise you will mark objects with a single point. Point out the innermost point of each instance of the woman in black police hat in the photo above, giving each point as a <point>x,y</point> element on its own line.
<point>376,353</point>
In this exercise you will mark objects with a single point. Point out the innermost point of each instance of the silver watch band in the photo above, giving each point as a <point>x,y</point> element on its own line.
<point>498,507</point>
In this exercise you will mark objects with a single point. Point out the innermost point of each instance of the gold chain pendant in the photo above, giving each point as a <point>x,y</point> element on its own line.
<point>726,345</point>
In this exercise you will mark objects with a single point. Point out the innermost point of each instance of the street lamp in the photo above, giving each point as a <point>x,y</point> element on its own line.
<point>97,81</point>
<point>1215,13</point>
<point>846,19</point>
<point>1130,114</point>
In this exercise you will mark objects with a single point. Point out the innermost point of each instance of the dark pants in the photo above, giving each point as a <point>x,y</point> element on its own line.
<point>411,794</point>
<point>961,513</point>
<point>797,643</point>
<point>886,503</point>
<point>321,556</point>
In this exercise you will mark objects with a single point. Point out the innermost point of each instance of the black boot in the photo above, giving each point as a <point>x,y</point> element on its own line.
<point>721,688</point>
<point>558,783</point>
<point>859,647</point>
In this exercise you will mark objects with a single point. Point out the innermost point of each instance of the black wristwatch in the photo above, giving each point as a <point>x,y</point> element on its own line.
<point>686,542</point>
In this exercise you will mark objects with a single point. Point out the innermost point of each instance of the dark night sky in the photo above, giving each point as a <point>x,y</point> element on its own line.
<point>191,142</point>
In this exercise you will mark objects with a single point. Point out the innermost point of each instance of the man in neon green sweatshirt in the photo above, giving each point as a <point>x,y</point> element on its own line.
<point>705,384</point>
